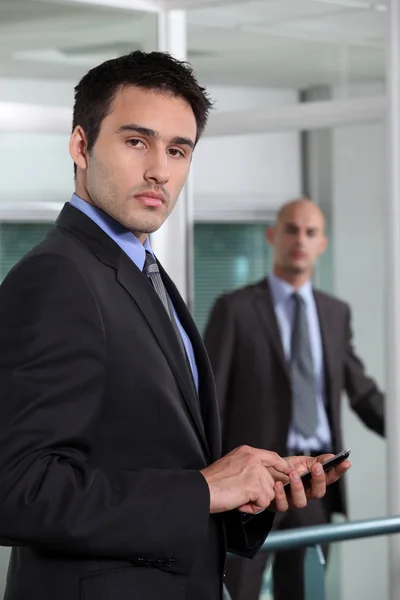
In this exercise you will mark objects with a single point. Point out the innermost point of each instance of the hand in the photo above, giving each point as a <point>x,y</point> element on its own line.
<point>319,480</point>
<point>241,479</point>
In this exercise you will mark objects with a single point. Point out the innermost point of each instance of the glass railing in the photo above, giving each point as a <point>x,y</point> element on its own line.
<point>312,538</point>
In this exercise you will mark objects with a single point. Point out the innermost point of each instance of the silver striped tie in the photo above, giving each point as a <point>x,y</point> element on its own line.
<point>152,271</point>
<point>305,417</point>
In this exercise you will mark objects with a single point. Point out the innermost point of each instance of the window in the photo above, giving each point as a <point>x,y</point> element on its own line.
<point>16,239</point>
<point>226,256</point>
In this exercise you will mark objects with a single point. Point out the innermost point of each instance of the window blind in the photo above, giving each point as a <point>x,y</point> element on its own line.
<point>16,239</point>
<point>226,256</point>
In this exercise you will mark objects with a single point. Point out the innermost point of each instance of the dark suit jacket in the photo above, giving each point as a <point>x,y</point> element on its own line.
<point>252,377</point>
<point>101,433</point>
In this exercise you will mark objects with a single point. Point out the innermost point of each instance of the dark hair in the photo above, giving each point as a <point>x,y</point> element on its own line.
<point>151,71</point>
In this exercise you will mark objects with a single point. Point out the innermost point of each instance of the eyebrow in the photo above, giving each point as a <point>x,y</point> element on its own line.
<point>311,229</point>
<point>179,140</point>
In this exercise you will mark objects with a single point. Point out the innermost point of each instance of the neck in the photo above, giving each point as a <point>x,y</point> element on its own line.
<point>82,192</point>
<point>84,195</point>
<point>296,280</point>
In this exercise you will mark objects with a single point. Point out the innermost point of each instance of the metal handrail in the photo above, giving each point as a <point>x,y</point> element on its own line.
<point>313,536</point>
<point>322,534</point>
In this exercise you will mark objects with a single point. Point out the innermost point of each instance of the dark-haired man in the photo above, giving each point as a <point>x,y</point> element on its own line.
<point>112,485</point>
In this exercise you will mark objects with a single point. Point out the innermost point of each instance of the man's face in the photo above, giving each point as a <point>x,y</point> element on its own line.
<point>140,160</point>
<point>298,238</point>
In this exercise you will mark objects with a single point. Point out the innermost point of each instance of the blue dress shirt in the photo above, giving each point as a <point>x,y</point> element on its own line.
<point>282,296</point>
<point>136,251</point>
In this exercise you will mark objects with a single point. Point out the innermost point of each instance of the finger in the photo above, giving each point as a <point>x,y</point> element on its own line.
<point>267,482</point>
<point>258,505</point>
<point>297,492</point>
<point>248,509</point>
<point>324,457</point>
<point>301,464</point>
<point>262,495</point>
<point>251,509</point>
<point>281,500</point>
<point>318,481</point>
<point>334,474</point>
<point>272,459</point>
<point>277,476</point>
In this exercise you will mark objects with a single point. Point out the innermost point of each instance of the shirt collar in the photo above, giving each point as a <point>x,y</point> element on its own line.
<point>281,290</point>
<point>125,239</point>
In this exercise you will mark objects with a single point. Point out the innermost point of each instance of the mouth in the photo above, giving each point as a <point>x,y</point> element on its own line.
<point>153,199</point>
<point>298,255</point>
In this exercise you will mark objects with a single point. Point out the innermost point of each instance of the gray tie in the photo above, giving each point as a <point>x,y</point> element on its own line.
<point>152,271</point>
<point>302,373</point>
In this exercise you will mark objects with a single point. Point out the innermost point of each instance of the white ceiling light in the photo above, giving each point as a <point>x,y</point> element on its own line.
<point>355,4</point>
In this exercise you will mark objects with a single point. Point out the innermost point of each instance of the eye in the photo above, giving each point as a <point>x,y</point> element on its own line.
<point>135,143</point>
<point>174,152</point>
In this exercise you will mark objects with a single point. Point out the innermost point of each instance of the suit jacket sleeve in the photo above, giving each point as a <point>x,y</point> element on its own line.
<point>365,397</point>
<point>246,536</point>
<point>219,340</point>
<point>53,353</point>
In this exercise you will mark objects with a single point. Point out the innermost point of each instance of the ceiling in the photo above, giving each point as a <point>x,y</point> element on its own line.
<point>278,43</point>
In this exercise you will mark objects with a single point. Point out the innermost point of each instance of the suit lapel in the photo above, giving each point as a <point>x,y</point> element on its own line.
<point>153,311</point>
<point>145,297</point>
<point>265,308</point>
<point>207,392</point>
<point>328,335</point>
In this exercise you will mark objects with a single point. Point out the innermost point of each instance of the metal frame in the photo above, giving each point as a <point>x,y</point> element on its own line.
<point>393,292</point>
<point>173,242</point>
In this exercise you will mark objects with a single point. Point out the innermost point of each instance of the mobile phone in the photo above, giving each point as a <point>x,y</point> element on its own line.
<point>327,466</point>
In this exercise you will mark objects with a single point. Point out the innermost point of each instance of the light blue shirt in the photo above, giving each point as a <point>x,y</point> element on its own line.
<point>282,296</point>
<point>136,251</point>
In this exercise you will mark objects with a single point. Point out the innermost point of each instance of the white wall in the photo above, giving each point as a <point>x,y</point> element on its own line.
<point>247,174</point>
<point>358,246</point>
<point>35,91</point>
<point>35,167</point>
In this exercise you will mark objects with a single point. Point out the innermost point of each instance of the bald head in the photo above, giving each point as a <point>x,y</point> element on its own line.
<point>298,238</point>
<point>305,206</point>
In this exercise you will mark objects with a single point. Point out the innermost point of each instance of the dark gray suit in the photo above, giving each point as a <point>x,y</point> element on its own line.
<point>102,436</point>
<point>254,393</point>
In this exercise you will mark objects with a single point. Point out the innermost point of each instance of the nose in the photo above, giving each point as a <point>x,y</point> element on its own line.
<point>157,167</point>
<point>301,238</point>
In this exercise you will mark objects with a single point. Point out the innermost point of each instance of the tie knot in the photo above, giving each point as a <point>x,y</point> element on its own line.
<point>298,298</point>
<point>150,264</point>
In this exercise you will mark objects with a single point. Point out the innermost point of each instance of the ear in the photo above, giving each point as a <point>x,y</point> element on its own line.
<point>323,245</point>
<point>270,235</point>
<point>78,148</point>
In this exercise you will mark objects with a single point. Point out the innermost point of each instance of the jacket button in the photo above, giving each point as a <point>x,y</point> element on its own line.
<point>169,563</point>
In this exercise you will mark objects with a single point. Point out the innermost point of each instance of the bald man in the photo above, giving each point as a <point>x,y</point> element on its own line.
<point>282,354</point>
